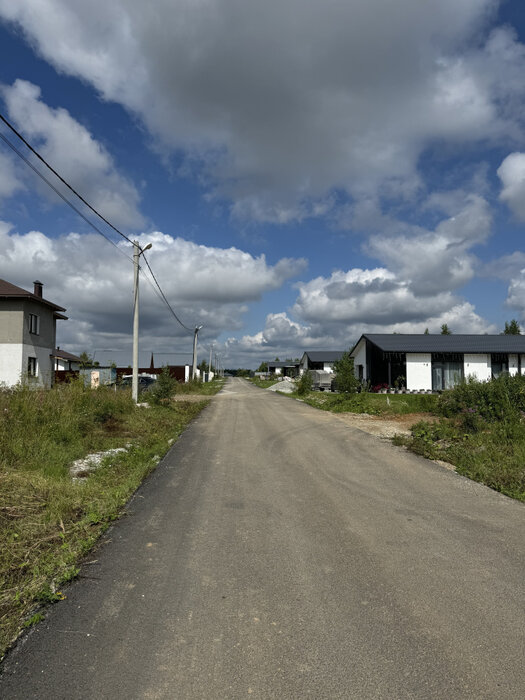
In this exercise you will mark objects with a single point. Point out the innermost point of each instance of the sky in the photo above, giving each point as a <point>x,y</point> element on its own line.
<point>305,171</point>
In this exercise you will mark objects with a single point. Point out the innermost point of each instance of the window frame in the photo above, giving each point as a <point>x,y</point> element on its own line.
<point>32,366</point>
<point>34,324</point>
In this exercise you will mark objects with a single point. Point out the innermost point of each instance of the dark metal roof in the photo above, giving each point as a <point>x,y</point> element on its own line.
<point>64,355</point>
<point>399,342</point>
<point>324,355</point>
<point>11,291</point>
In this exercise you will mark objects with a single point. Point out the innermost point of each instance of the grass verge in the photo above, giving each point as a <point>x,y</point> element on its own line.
<point>481,432</point>
<point>48,522</point>
<point>262,383</point>
<point>372,404</point>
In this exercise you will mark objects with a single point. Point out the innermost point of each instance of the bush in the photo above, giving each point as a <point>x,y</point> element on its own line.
<point>164,388</point>
<point>304,385</point>
<point>500,399</point>
<point>345,378</point>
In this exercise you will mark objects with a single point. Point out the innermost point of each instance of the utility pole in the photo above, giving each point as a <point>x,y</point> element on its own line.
<point>209,363</point>
<point>194,368</point>
<point>137,252</point>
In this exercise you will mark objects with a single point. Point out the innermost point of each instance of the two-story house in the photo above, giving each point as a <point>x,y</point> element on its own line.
<point>27,335</point>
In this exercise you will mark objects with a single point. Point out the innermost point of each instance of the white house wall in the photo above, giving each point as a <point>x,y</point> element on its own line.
<point>478,366</point>
<point>419,370</point>
<point>10,363</point>
<point>513,365</point>
<point>328,367</point>
<point>359,355</point>
<point>522,363</point>
<point>44,364</point>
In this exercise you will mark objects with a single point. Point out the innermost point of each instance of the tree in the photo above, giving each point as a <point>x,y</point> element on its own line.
<point>203,366</point>
<point>445,330</point>
<point>277,359</point>
<point>263,367</point>
<point>345,378</point>
<point>426,331</point>
<point>512,328</point>
<point>85,360</point>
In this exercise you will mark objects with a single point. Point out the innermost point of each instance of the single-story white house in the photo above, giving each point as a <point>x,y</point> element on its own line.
<point>435,362</point>
<point>320,360</point>
<point>66,361</point>
<point>285,369</point>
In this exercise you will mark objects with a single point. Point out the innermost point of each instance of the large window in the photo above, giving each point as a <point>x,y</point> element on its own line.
<point>31,366</point>
<point>446,372</point>
<point>499,364</point>
<point>34,324</point>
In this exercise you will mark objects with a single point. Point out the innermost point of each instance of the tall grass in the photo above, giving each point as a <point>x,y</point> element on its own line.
<point>48,522</point>
<point>481,432</point>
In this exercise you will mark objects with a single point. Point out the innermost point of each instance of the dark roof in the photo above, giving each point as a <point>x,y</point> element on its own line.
<point>11,291</point>
<point>66,355</point>
<point>399,342</point>
<point>324,355</point>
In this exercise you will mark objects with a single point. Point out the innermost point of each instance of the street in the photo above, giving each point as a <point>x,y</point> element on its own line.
<point>278,553</point>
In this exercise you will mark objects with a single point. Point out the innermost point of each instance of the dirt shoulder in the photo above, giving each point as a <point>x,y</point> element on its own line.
<point>383,426</point>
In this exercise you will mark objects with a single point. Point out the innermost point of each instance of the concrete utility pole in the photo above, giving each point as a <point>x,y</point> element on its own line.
<point>137,252</point>
<point>194,368</point>
<point>209,364</point>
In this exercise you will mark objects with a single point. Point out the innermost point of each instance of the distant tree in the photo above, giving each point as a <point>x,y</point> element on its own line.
<point>512,328</point>
<point>203,366</point>
<point>277,359</point>
<point>345,378</point>
<point>445,330</point>
<point>426,331</point>
<point>263,367</point>
<point>85,360</point>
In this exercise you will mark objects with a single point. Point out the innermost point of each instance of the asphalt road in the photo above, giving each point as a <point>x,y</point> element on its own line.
<point>278,553</point>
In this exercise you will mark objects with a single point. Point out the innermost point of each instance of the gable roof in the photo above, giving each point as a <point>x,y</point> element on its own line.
<point>324,355</point>
<point>11,291</point>
<point>398,342</point>
<point>64,355</point>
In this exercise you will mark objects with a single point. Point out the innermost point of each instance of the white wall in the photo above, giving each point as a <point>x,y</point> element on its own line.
<point>277,370</point>
<point>478,366</point>
<point>328,367</point>
<point>513,364</point>
<point>13,364</point>
<point>10,363</point>
<point>359,355</point>
<point>522,360</point>
<point>419,370</point>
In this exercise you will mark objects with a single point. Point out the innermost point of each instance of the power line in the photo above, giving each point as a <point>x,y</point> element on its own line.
<point>62,197</point>
<point>190,330</point>
<point>67,201</point>
<point>44,161</point>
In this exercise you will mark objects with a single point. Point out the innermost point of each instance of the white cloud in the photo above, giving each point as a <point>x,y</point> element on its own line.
<point>512,175</point>
<point>431,262</point>
<point>94,282</point>
<point>9,182</point>
<point>299,99</point>
<point>74,153</point>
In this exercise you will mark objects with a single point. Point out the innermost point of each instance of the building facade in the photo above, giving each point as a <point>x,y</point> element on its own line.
<point>435,362</point>
<point>27,335</point>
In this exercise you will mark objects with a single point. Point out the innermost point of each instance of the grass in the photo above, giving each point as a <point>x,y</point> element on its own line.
<point>263,383</point>
<point>48,522</point>
<point>481,432</point>
<point>372,404</point>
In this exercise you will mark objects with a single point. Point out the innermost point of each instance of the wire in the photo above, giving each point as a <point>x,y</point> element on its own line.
<point>162,296</point>
<point>190,330</point>
<point>62,197</point>
<point>37,154</point>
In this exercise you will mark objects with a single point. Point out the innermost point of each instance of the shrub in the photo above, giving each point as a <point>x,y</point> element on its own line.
<point>304,385</point>
<point>164,388</point>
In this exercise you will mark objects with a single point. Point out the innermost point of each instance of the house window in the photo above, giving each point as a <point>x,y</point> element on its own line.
<point>31,366</point>
<point>447,372</point>
<point>499,364</point>
<point>34,324</point>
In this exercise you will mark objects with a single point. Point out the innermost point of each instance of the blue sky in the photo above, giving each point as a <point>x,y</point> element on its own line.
<point>305,173</point>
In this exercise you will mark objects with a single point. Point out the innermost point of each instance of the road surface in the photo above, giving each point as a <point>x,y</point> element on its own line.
<point>278,553</point>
